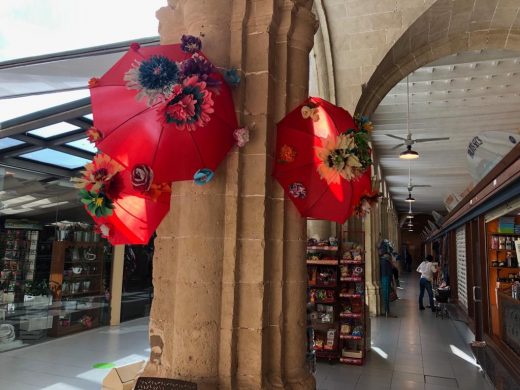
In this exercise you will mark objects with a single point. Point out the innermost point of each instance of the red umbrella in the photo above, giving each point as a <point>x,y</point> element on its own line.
<point>126,205</point>
<point>322,160</point>
<point>165,107</point>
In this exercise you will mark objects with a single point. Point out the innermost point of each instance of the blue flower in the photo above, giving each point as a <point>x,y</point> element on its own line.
<point>158,73</point>
<point>232,77</point>
<point>190,44</point>
<point>203,176</point>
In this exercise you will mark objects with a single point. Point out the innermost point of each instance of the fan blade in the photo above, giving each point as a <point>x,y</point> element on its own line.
<point>420,185</point>
<point>396,137</point>
<point>432,139</point>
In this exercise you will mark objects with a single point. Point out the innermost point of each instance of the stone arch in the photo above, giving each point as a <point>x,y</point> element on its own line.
<point>322,65</point>
<point>447,27</point>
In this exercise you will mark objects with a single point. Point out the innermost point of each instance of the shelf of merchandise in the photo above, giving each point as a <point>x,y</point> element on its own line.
<point>353,347</point>
<point>321,329</point>
<point>60,265</point>
<point>322,262</point>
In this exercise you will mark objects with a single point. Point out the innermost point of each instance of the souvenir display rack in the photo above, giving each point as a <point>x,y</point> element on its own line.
<point>77,271</point>
<point>322,268</point>
<point>336,296</point>
<point>353,312</point>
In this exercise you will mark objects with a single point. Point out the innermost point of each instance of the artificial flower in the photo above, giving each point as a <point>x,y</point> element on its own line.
<point>366,203</point>
<point>156,190</point>
<point>142,177</point>
<point>203,176</point>
<point>198,65</point>
<point>363,123</point>
<point>135,46</point>
<point>105,229</point>
<point>96,203</point>
<point>190,44</point>
<point>298,191</point>
<point>310,111</point>
<point>241,136</point>
<point>337,158</point>
<point>94,135</point>
<point>97,173</point>
<point>190,106</point>
<point>153,78</point>
<point>232,77</point>
<point>287,154</point>
<point>114,187</point>
<point>93,82</point>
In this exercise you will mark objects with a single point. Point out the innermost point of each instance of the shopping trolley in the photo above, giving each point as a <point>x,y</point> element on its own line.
<point>442,297</point>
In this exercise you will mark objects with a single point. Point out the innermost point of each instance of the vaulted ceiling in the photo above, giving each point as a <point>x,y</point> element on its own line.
<point>458,96</point>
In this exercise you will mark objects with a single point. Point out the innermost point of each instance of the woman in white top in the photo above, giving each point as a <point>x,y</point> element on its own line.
<point>427,268</point>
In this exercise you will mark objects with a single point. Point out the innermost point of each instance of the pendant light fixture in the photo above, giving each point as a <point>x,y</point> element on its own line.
<point>410,216</point>
<point>408,154</point>
<point>410,198</point>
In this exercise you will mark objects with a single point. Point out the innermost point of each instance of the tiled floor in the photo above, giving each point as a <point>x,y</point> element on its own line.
<point>414,351</point>
<point>66,363</point>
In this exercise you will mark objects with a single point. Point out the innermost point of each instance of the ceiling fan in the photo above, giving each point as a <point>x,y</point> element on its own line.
<point>410,154</point>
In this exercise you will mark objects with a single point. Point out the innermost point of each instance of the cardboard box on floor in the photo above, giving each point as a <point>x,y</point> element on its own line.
<point>122,378</point>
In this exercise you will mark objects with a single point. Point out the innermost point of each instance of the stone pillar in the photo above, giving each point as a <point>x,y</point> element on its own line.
<point>229,310</point>
<point>372,238</point>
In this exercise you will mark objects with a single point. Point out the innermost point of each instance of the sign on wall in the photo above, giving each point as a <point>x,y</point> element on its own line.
<point>462,283</point>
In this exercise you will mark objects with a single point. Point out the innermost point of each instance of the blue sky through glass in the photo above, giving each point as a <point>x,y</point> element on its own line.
<point>49,156</point>
<point>9,143</point>
<point>53,130</point>
<point>83,144</point>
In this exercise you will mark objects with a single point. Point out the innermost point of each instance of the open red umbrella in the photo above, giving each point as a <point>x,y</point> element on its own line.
<point>165,107</point>
<point>126,205</point>
<point>322,160</point>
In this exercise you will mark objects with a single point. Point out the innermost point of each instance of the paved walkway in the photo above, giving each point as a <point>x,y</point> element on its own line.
<point>414,351</point>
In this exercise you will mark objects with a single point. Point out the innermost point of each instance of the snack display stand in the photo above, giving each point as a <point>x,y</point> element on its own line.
<point>336,296</point>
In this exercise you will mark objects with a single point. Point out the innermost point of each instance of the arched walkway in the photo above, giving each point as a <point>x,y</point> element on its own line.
<point>414,351</point>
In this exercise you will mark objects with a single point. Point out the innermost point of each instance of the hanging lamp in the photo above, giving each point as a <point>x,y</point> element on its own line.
<point>408,154</point>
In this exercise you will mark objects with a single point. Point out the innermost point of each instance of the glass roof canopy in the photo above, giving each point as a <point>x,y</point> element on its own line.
<point>44,131</point>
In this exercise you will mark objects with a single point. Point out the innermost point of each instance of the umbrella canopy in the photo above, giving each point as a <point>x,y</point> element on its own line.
<point>165,107</point>
<point>127,205</point>
<point>322,160</point>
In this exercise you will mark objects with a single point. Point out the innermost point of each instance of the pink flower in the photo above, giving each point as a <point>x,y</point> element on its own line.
<point>142,177</point>
<point>241,136</point>
<point>183,110</point>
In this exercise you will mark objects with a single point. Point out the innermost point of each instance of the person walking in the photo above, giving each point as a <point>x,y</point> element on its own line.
<point>427,268</point>
<point>385,259</point>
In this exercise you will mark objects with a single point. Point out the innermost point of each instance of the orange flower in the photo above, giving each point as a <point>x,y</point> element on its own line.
<point>97,173</point>
<point>287,154</point>
<point>156,190</point>
<point>93,82</point>
<point>94,135</point>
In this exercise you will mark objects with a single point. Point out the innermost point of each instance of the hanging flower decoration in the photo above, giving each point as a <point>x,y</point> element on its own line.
<point>241,136</point>
<point>97,203</point>
<point>156,190</point>
<point>190,106</point>
<point>94,135</point>
<point>232,77</point>
<point>366,203</point>
<point>190,44</point>
<point>287,154</point>
<point>154,78</point>
<point>363,123</point>
<point>198,65</point>
<point>203,176</point>
<point>104,229</point>
<point>93,82</point>
<point>298,191</point>
<point>99,185</point>
<point>311,111</point>
<point>338,159</point>
<point>142,177</point>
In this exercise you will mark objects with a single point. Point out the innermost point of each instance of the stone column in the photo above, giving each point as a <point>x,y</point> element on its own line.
<point>229,310</point>
<point>372,238</point>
